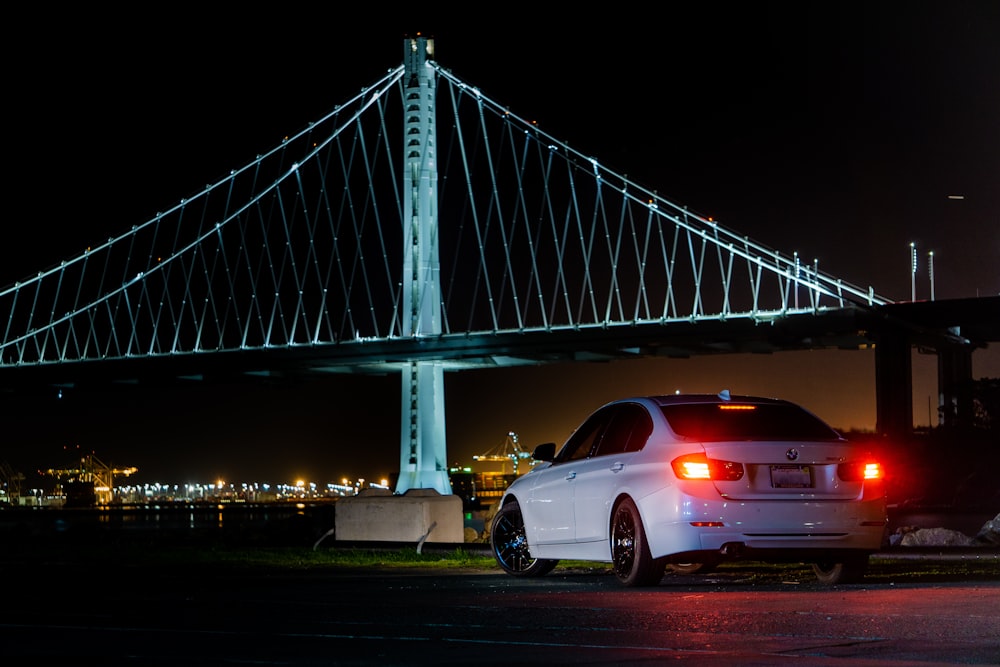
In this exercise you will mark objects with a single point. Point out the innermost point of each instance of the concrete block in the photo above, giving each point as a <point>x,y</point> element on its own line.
<point>404,518</point>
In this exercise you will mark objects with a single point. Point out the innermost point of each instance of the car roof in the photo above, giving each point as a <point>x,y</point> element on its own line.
<point>722,397</point>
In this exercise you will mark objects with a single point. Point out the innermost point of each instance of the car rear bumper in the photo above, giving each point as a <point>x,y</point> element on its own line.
<point>765,526</point>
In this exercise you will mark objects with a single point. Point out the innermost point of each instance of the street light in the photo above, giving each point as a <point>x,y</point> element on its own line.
<point>930,268</point>
<point>913,271</point>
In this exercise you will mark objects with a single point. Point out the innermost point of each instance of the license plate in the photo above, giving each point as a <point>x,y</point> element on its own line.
<point>791,477</point>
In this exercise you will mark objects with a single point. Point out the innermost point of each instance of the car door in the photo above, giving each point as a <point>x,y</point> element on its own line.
<point>548,511</point>
<point>599,477</point>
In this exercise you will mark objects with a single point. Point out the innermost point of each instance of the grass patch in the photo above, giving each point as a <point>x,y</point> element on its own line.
<point>459,558</point>
<point>303,558</point>
<point>296,558</point>
<point>116,556</point>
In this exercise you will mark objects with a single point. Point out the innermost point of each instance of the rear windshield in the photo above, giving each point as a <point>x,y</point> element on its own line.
<point>715,422</point>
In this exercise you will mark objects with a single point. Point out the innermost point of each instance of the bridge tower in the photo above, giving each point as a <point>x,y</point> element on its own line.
<point>423,457</point>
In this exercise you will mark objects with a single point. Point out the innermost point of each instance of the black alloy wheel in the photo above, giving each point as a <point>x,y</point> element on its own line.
<point>692,568</point>
<point>630,556</point>
<point>849,571</point>
<point>510,546</point>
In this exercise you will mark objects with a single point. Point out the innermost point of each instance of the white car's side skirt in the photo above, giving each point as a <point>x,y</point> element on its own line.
<point>598,550</point>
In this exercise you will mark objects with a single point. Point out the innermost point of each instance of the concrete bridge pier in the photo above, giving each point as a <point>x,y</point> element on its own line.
<point>955,395</point>
<point>423,457</point>
<point>893,385</point>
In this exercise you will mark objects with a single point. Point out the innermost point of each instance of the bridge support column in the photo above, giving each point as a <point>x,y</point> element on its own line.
<point>423,462</point>
<point>893,385</point>
<point>955,395</point>
<point>423,456</point>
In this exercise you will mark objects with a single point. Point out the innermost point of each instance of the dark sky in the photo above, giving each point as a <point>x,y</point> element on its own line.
<point>838,130</point>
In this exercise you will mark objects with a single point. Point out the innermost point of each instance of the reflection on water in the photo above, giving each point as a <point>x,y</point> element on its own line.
<point>277,522</point>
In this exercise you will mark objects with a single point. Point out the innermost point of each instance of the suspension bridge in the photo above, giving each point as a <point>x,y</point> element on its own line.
<point>421,227</point>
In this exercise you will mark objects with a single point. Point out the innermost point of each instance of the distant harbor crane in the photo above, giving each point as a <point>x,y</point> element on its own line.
<point>10,483</point>
<point>509,451</point>
<point>92,481</point>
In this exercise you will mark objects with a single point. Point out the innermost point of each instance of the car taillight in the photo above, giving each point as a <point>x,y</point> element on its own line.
<point>859,471</point>
<point>699,466</point>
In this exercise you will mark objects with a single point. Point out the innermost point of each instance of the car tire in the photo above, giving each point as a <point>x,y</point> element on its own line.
<point>630,556</point>
<point>510,545</point>
<point>691,568</point>
<point>848,571</point>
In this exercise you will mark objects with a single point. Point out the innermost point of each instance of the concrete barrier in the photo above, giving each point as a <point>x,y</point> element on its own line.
<point>419,515</point>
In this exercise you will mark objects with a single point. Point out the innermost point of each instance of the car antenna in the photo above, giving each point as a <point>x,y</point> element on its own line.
<point>724,395</point>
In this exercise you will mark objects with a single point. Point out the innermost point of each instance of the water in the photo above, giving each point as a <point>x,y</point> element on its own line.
<point>278,524</point>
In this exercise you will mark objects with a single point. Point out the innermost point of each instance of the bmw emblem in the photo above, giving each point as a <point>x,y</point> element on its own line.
<point>792,454</point>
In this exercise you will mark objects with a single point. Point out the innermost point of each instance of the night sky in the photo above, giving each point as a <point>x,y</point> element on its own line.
<point>843,131</point>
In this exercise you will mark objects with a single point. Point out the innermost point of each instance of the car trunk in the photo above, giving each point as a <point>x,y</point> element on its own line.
<point>792,470</point>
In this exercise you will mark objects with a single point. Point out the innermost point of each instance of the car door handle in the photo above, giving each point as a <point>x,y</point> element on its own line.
<point>618,466</point>
<point>571,475</point>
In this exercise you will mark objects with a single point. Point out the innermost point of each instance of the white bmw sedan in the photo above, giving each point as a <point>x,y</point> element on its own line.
<point>690,481</point>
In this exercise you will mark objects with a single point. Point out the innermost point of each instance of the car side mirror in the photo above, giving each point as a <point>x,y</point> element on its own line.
<point>544,452</point>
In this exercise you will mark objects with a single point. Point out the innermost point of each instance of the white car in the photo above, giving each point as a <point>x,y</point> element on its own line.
<point>690,481</point>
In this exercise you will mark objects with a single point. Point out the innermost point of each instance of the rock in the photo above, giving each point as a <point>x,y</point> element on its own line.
<point>912,536</point>
<point>897,537</point>
<point>990,532</point>
<point>931,537</point>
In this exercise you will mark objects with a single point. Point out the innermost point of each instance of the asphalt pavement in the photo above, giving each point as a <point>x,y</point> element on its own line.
<point>77,605</point>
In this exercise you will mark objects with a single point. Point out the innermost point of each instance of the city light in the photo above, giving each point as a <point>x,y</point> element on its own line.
<point>217,492</point>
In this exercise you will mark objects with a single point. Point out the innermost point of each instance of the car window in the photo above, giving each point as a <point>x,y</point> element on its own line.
<point>582,441</point>
<point>714,422</point>
<point>627,431</point>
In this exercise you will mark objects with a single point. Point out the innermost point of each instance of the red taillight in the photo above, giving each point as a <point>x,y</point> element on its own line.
<point>859,471</point>
<point>699,466</point>
<point>691,466</point>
